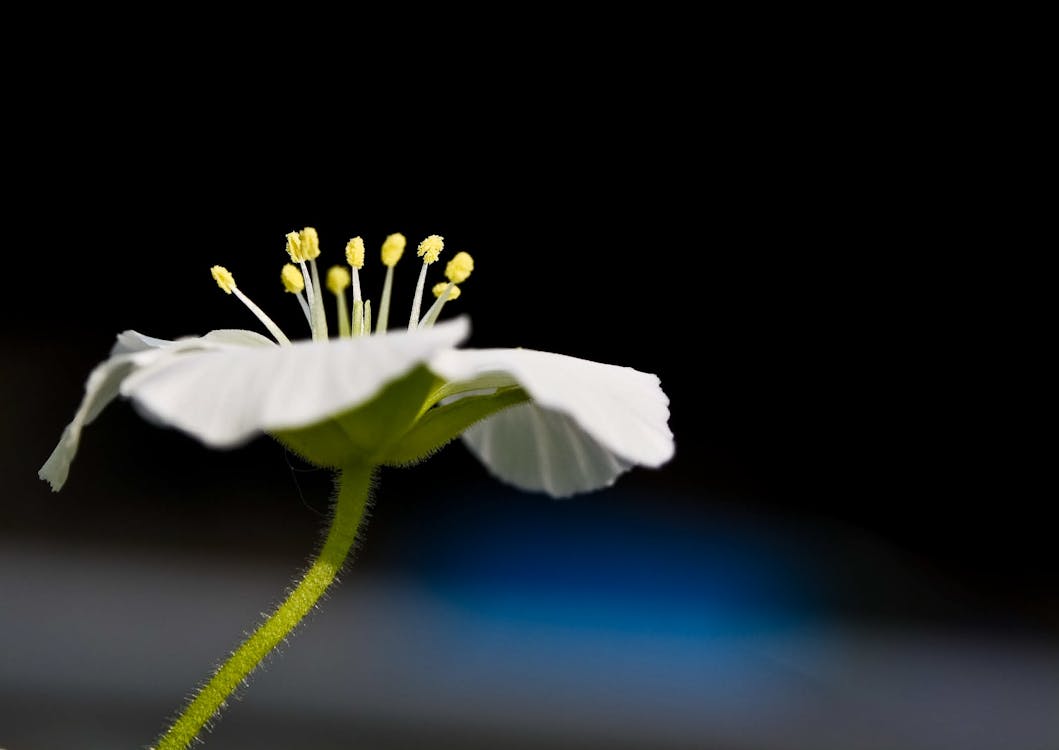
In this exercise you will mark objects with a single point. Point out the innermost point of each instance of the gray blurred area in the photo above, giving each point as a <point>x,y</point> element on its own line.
<point>99,647</point>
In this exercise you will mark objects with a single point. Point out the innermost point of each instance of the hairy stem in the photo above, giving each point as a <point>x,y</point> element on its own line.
<point>354,487</point>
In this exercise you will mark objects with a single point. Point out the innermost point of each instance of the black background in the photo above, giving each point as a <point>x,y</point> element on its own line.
<point>776,253</point>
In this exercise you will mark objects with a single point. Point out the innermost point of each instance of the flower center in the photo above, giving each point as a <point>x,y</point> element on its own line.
<point>301,277</point>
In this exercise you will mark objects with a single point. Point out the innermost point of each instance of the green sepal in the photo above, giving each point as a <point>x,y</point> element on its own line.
<point>366,432</point>
<point>441,424</point>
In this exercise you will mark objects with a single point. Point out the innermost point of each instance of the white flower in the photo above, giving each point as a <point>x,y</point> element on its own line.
<point>538,420</point>
<point>372,398</point>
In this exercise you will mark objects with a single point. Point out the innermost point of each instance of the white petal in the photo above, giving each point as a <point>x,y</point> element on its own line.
<point>134,341</point>
<point>226,395</point>
<point>129,341</point>
<point>131,351</point>
<point>238,337</point>
<point>540,450</point>
<point>100,389</point>
<point>586,424</point>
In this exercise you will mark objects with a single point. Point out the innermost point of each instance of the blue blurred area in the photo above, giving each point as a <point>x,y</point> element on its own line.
<point>634,566</point>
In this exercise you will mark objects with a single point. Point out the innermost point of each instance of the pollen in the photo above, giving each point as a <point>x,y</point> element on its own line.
<point>355,252</point>
<point>430,248</point>
<point>223,278</point>
<point>294,247</point>
<point>393,249</point>
<point>310,243</point>
<point>439,289</point>
<point>293,281</point>
<point>338,279</point>
<point>459,268</point>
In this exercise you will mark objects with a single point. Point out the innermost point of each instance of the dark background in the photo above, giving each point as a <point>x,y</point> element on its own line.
<point>776,255</point>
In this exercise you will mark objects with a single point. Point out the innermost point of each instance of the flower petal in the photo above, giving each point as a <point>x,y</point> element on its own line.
<point>132,351</point>
<point>587,423</point>
<point>100,389</point>
<point>227,395</point>
<point>134,341</point>
<point>540,450</point>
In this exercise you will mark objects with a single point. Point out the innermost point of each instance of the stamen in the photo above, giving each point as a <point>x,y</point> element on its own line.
<point>337,283</point>
<point>309,248</point>
<point>447,291</point>
<point>429,249</point>
<point>337,279</point>
<point>459,268</point>
<point>355,258</point>
<point>226,282</point>
<point>294,250</point>
<point>367,317</point>
<point>292,279</point>
<point>320,329</point>
<point>294,247</point>
<point>392,250</point>
<point>309,243</point>
<point>457,271</point>
<point>294,282</point>
<point>224,279</point>
<point>355,252</point>
<point>443,292</point>
<point>358,318</point>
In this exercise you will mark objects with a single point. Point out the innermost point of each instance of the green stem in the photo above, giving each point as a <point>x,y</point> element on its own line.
<point>353,489</point>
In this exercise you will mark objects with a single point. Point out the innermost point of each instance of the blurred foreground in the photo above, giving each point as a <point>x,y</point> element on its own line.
<point>644,635</point>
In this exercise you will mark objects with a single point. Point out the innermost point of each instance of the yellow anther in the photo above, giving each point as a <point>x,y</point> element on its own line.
<point>310,244</point>
<point>430,248</point>
<point>338,279</point>
<point>439,289</point>
<point>459,268</point>
<point>355,252</point>
<point>293,281</point>
<point>223,278</point>
<point>393,249</point>
<point>294,247</point>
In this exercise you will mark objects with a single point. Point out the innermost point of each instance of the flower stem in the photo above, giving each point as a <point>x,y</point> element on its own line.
<point>353,489</point>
